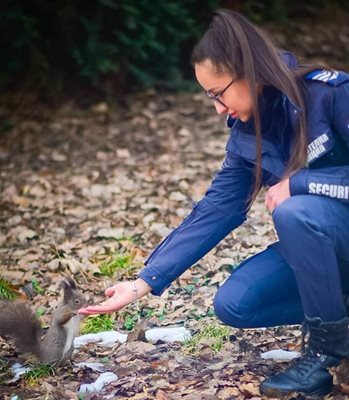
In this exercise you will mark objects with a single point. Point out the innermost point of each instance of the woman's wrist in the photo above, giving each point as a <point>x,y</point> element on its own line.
<point>141,288</point>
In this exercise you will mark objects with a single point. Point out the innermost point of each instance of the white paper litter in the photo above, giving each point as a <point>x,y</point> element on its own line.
<point>168,335</point>
<point>103,338</point>
<point>99,367</point>
<point>18,370</point>
<point>280,355</point>
<point>103,380</point>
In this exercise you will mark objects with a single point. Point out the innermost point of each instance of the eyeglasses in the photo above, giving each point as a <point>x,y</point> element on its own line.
<point>217,97</point>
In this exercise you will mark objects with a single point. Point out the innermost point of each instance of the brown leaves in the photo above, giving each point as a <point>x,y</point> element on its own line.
<point>90,183</point>
<point>250,389</point>
<point>341,376</point>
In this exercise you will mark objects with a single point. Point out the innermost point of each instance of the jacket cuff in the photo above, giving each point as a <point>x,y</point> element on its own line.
<point>157,282</point>
<point>299,182</point>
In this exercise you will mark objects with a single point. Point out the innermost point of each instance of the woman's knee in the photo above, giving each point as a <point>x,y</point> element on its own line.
<point>231,309</point>
<point>291,215</point>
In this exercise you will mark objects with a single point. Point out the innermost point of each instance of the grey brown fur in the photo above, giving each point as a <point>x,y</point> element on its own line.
<point>18,322</point>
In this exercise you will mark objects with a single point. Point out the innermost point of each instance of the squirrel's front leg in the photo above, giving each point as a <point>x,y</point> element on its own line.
<point>65,316</point>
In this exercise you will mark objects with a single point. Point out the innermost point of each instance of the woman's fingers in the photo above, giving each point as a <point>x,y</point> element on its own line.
<point>94,310</point>
<point>277,194</point>
<point>110,291</point>
<point>269,201</point>
<point>107,306</point>
<point>120,295</point>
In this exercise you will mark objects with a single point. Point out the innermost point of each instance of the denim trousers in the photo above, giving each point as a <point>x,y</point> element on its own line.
<point>304,273</point>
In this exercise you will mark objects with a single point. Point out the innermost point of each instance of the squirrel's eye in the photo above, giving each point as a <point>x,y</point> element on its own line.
<point>76,301</point>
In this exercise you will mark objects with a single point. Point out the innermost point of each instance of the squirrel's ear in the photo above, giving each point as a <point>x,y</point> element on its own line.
<point>68,286</point>
<point>67,283</point>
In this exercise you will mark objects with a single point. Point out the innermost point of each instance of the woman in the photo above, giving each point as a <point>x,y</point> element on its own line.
<point>289,132</point>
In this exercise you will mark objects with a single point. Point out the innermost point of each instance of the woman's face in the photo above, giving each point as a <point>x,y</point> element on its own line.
<point>236,99</point>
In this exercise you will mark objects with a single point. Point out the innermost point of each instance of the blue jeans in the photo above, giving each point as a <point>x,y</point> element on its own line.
<point>304,273</point>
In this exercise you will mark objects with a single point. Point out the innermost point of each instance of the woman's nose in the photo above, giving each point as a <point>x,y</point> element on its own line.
<point>220,108</point>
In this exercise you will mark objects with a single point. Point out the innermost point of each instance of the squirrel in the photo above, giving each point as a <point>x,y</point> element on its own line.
<point>18,322</point>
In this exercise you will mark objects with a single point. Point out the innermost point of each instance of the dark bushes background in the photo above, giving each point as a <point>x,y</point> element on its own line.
<point>114,45</point>
<point>59,43</point>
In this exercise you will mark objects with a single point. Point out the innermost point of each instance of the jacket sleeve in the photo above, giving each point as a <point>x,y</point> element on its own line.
<point>331,181</point>
<point>222,209</point>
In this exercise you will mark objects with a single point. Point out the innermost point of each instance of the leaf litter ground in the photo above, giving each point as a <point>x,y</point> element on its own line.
<point>79,185</point>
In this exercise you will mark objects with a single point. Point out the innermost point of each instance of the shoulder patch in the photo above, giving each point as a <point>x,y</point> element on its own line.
<point>323,75</point>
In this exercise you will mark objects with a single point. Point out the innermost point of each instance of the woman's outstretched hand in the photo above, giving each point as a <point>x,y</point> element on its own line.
<point>277,194</point>
<point>120,295</point>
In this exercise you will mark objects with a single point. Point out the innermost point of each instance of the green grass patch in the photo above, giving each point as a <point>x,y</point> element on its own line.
<point>3,365</point>
<point>37,372</point>
<point>116,262</point>
<point>151,312</point>
<point>40,312</point>
<point>97,323</point>
<point>130,320</point>
<point>210,312</point>
<point>213,336</point>
<point>127,320</point>
<point>6,290</point>
<point>5,372</point>
<point>36,286</point>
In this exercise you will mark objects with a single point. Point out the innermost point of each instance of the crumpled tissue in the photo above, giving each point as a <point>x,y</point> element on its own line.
<point>98,367</point>
<point>280,355</point>
<point>168,335</point>
<point>18,370</point>
<point>103,380</point>
<point>103,338</point>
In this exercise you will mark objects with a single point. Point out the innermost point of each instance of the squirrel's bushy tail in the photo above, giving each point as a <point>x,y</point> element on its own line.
<point>18,321</point>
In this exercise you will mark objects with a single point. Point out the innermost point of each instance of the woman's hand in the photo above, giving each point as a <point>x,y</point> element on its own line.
<point>121,294</point>
<point>277,194</point>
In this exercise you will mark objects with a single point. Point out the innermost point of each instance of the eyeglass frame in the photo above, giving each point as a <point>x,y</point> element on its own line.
<point>216,97</point>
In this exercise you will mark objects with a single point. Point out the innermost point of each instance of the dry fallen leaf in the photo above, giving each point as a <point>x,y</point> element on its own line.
<point>249,389</point>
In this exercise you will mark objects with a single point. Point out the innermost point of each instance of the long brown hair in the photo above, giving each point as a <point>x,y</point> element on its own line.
<point>235,45</point>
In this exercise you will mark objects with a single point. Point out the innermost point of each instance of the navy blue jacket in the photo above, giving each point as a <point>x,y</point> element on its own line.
<point>224,206</point>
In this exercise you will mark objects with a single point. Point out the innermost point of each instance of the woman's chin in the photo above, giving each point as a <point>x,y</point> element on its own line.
<point>244,118</point>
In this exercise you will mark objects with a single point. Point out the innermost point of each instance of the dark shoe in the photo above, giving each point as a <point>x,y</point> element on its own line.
<point>328,345</point>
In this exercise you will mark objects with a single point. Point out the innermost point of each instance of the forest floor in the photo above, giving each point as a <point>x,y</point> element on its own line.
<point>82,189</point>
